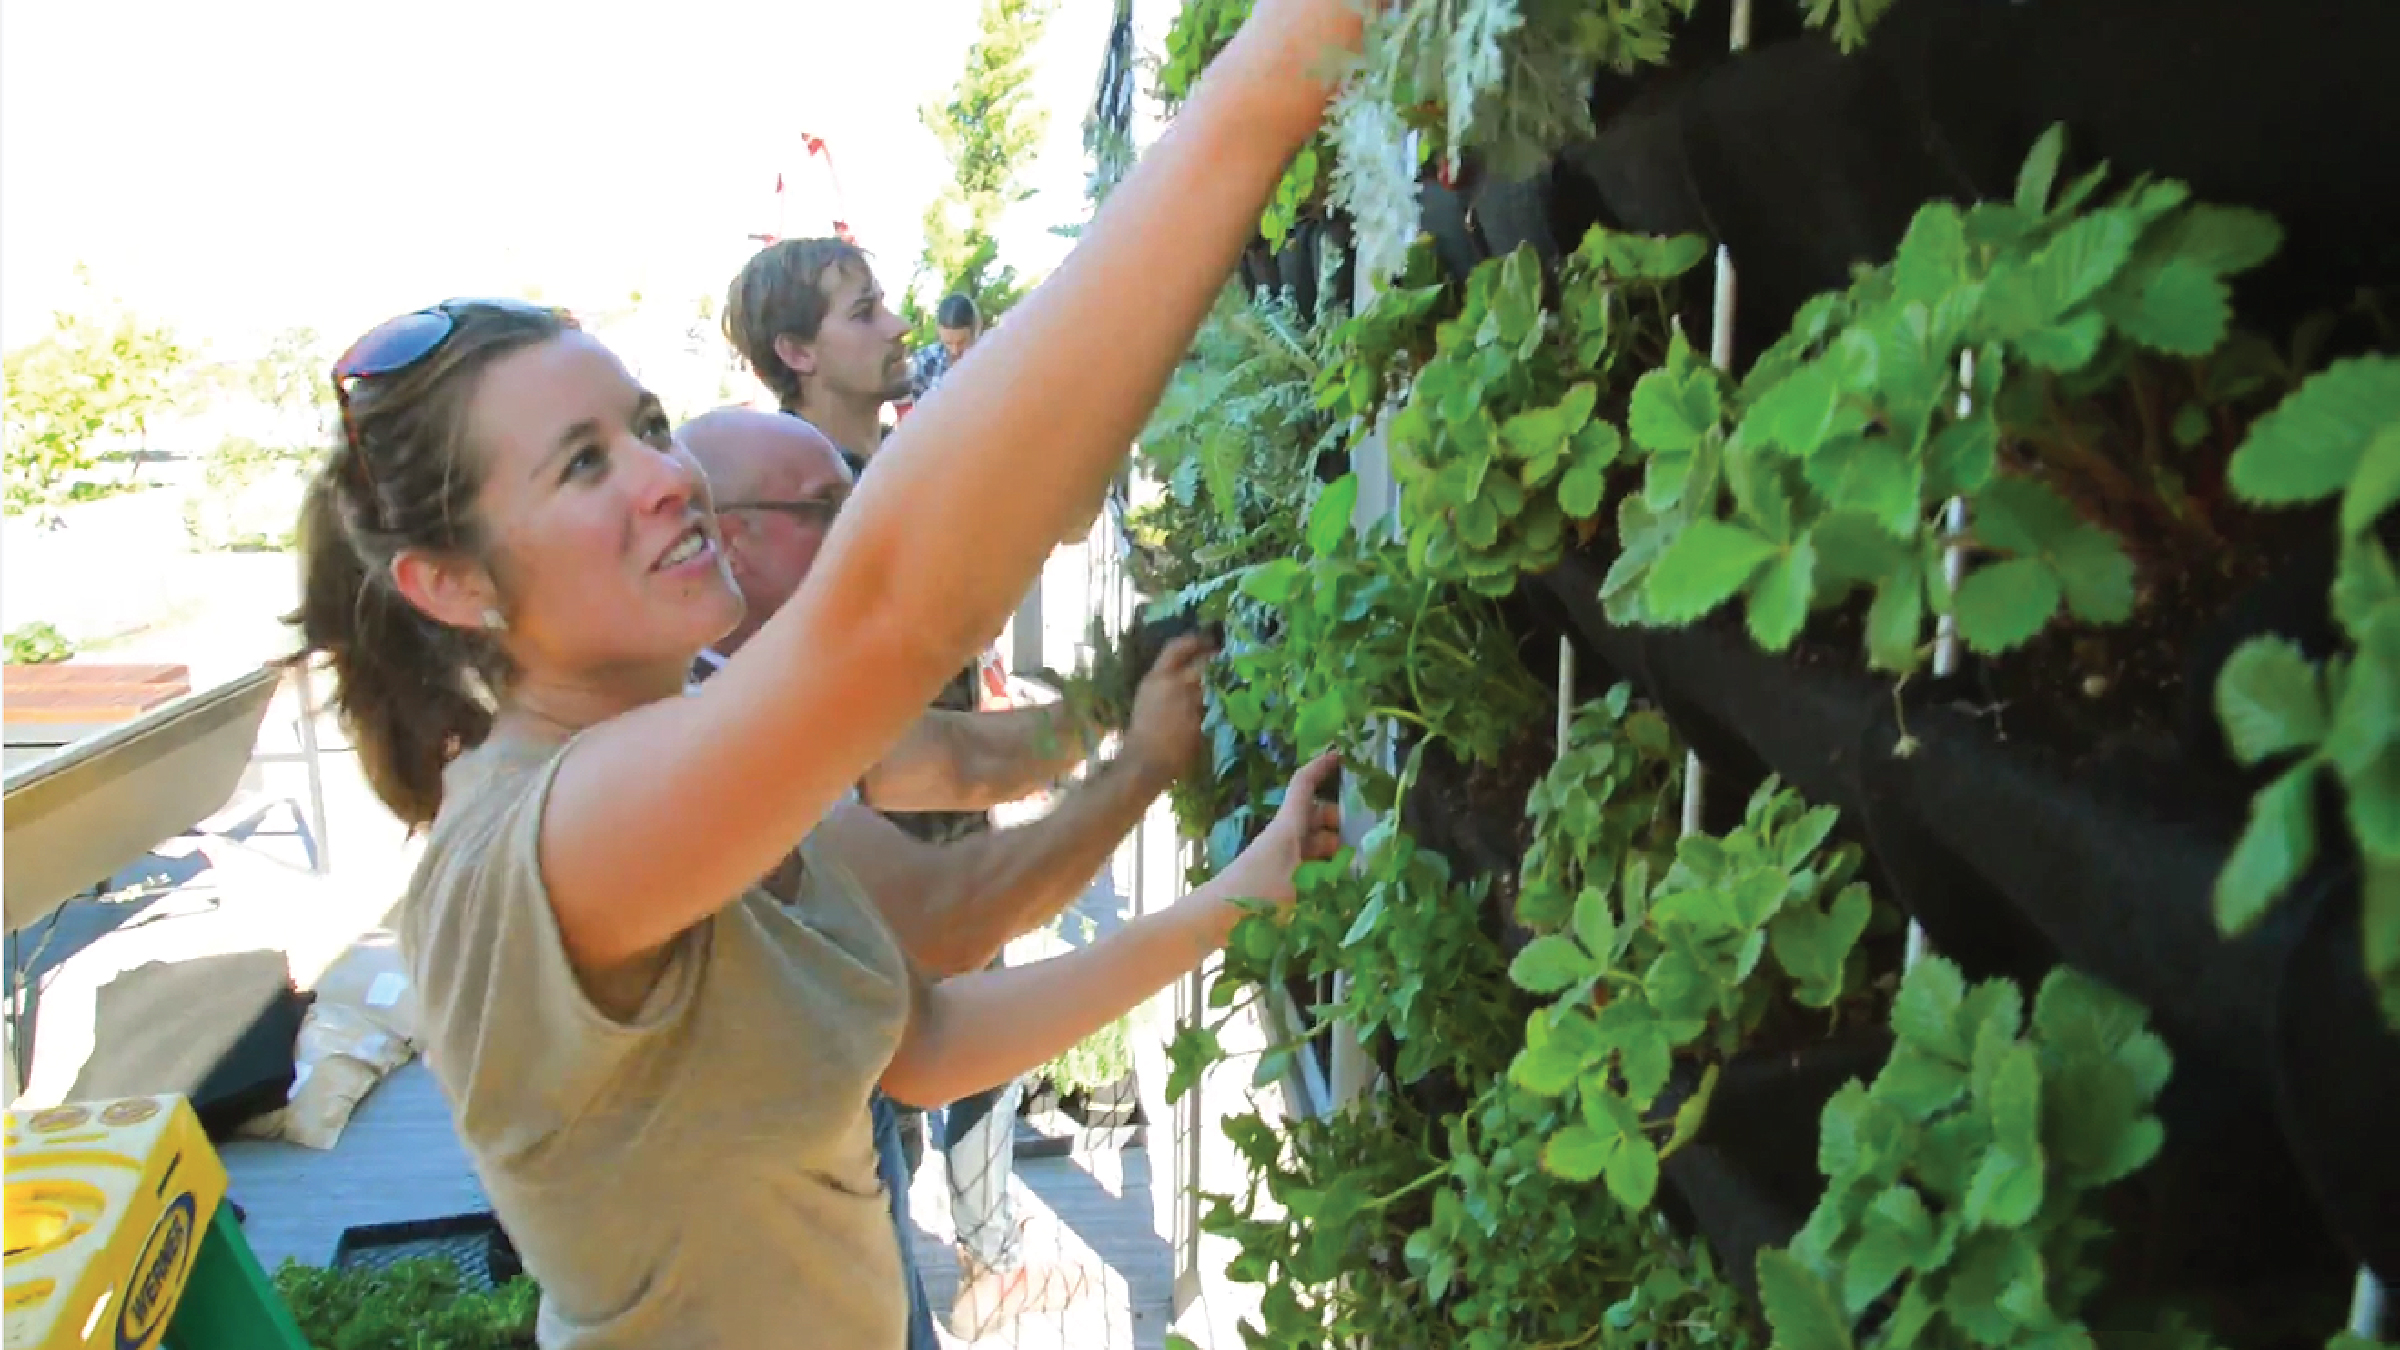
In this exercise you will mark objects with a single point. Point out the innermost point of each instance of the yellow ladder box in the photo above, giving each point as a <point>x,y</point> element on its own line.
<point>107,1206</point>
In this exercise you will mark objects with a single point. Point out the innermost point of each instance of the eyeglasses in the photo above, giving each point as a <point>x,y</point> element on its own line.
<point>816,511</point>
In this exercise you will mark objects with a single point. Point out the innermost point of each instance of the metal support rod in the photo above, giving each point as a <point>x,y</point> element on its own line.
<point>2367,1306</point>
<point>1954,528</point>
<point>1720,353</point>
<point>304,685</point>
<point>1566,694</point>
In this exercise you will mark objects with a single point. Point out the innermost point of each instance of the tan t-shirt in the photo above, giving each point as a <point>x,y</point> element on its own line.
<point>700,1176</point>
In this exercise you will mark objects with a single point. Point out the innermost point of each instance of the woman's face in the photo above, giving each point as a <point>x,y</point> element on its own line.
<point>602,543</point>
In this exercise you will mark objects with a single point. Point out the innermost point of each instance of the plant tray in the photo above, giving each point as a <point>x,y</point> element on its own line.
<point>474,1243</point>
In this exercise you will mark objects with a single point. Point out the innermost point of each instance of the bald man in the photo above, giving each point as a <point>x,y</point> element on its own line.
<point>778,483</point>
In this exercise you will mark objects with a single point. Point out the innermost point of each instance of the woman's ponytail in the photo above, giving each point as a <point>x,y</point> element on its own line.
<point>400,679</point>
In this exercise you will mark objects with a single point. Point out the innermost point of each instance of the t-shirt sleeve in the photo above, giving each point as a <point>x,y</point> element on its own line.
<point>510,1028</point>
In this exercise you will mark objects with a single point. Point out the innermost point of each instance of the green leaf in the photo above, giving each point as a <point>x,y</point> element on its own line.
<point>1690,1116</point>
<point>1551,964</point>
<point>2225,239</point>
<point>1545,1072</point>
<point>1646,1059</point>
<point>1633,1172</point>
<point>2016,1103</point>
<point>1517,301</point>
<point>1800,412</point>
<point>1798,1307</point>
<point>2377,484</point>
<point>2269,700</point>
<point>1702,568</point>
<point>1577,1153</point>
<point>2040,170</point>
<point>2274,849</point>
<point>1963,456</point>
<point>1321,720</point>
<point>1272,583</point>
<point>1779,603</point>
<point>1189,1056</point>
<point>1329,515</point>
<point>2002,605</point>
<point>2179,308</point>
<point>1918,1085</point>
<point>1873,478</point>
<point>1671,410</point>
<point>1926,1012</point>
<point>2081,259</point>
<point>1933,257</point>
<point>2067,346</point>
<point>2006,1191</point>
<point>1579,492</point>
<point>1896,623</point>
<point>2310,445</point>
<point>1595,923</point>
<point>2095,574</point>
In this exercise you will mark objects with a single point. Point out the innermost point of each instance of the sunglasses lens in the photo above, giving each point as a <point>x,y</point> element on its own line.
<point>395,344</point>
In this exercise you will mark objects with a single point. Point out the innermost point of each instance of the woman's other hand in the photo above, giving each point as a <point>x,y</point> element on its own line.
<point>1305,829</point>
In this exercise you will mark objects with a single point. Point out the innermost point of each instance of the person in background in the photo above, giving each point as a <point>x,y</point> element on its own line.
<point>779,484</point>
<point>812,321</point>
<point>956,324</point>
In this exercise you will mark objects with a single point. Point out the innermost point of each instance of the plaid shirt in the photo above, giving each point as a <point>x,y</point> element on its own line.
<point>926,369</point>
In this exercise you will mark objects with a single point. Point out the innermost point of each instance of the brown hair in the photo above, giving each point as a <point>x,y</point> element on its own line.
<point>412,693</point>
<point>778,294</point>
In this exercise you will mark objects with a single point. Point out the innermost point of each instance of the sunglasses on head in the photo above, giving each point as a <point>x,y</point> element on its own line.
<point>396,344</point>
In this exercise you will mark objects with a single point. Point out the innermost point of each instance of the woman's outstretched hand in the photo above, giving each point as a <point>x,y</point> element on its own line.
<point>1304,830</point>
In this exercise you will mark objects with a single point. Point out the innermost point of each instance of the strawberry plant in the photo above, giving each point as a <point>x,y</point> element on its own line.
<point>1504,445</point>
<point>1821,475</point>
<point>1959,1185</point>
<point>1662,957</point>
<point>2336,720</point>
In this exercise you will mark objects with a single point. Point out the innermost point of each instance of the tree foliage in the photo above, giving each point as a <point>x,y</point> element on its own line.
<point>94,382</point>
<point>989,131</point>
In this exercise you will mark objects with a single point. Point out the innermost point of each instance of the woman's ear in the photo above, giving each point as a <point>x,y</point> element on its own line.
<point>446,589</point>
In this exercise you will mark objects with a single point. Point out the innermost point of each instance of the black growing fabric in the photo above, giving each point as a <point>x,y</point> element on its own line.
<point>1805,161</point>
<point>220,1030</point>
<point>2013,861</point>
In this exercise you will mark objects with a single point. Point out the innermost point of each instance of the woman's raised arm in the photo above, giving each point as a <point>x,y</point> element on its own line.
<point>660,815</point>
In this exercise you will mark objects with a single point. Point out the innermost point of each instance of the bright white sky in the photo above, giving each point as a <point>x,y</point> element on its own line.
<point>245,166</point>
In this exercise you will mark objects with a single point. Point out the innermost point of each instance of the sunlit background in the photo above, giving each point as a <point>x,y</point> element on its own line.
<point>237,170</point>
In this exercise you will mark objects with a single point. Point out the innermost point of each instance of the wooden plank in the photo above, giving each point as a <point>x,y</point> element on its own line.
<point>88,694</point>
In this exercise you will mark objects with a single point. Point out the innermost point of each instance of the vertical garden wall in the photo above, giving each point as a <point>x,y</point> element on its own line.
<point>2009,593</point>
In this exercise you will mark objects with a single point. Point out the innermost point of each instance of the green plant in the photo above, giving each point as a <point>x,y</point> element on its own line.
<point>1100,1060</point>
<point>1504,445</point>
<point>1648,971</point>
<point>1235,440</point>
<point>1823,474</point>
<point>1959,1186</point>
<point>37,644</point>
<point>2339,719</point>
<point>420,1304</point>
